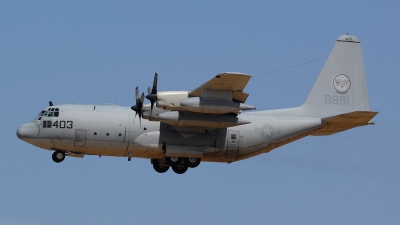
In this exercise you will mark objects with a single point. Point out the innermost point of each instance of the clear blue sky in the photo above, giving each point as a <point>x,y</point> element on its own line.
<point>99,51</point>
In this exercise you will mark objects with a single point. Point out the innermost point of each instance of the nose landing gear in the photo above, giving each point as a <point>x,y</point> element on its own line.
<point>58,156</point>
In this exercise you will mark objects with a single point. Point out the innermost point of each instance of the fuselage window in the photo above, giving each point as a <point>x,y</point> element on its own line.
<point>233,136</point>
<point>49,124</point>
<point>44,124</point>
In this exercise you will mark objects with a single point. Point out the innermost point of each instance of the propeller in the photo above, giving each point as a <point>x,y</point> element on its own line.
<point>152,93</point>
<point>138,108</point>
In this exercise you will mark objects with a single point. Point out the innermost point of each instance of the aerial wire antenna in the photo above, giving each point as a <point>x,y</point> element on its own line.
<point>262,74</point>
<point>289,67</point>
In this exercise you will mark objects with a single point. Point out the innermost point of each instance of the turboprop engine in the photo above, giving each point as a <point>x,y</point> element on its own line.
<point>213,106</point>
<point>171,100</point>
<point>182,118</point>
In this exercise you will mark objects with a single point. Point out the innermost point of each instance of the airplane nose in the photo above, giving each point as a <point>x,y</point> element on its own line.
<point>28,130</point>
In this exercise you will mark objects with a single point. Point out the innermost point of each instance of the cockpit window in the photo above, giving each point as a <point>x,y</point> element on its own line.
<point>51,112</point>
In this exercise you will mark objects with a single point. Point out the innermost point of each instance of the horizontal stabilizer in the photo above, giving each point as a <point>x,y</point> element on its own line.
<point>345,121</point>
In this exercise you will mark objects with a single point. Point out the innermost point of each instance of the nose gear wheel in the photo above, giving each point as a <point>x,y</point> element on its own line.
<point>58,156</point>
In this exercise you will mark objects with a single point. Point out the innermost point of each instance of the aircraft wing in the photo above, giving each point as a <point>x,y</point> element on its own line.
<point>215,104</point>
<point>229,81</point>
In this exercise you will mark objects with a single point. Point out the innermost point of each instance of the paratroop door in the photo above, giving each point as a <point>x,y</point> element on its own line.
<point>232,145</point>
<point>80,138</point>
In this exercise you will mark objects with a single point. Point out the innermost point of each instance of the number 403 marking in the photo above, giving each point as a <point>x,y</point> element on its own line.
<point>63,124</point>
<point>337,100</point>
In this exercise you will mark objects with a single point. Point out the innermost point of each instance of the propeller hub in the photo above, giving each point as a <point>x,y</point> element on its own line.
<point>151,97</point>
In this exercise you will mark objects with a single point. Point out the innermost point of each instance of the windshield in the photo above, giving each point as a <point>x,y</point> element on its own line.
<point>50,112</point>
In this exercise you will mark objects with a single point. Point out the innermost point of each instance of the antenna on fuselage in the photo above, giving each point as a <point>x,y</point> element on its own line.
<point>50,103</point>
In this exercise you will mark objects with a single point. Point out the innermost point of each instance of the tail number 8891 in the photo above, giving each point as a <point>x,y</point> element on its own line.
<point>336,100</point>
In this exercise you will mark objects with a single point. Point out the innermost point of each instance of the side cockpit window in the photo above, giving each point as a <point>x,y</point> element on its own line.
<point>46,124</point>
<point>39,117</point>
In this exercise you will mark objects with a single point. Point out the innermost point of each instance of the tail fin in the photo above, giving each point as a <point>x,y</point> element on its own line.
<point>341,86</point>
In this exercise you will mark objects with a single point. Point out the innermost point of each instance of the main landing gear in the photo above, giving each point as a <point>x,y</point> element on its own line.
<point>179,165</point>
<point>58,156</point>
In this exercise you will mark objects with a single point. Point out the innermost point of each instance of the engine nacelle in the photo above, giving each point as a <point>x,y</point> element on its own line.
<point>213,106</point>
<point>171,100</point>
<point>200,120</point>
<point>154,113</point>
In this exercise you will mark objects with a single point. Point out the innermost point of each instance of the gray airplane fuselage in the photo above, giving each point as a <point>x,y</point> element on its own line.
<point>111,130</point>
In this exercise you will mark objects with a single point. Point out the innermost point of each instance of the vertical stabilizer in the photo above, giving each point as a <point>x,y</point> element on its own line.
<point>341,86</point>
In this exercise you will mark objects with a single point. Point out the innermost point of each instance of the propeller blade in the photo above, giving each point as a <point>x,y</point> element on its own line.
<point>142,98</point>
<point>138,108</point>
<point>151,108</point>
<point>149,90</point>
<point>152,96</point>
<point>154,90</point>
<point>137,93</point>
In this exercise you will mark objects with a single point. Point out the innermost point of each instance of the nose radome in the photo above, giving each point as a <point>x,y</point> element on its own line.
<point>28,130</point>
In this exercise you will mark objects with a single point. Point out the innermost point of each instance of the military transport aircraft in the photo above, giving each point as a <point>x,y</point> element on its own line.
<point>206,124</point>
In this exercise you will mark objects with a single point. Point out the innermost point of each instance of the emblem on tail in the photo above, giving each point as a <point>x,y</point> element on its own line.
<point>341,83</point>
